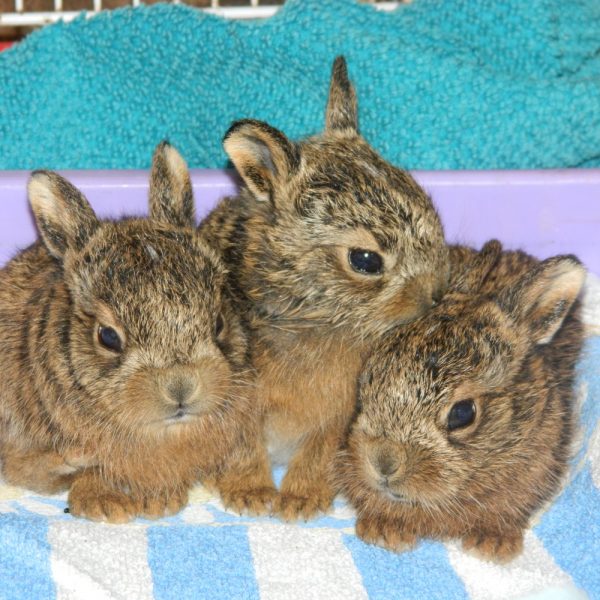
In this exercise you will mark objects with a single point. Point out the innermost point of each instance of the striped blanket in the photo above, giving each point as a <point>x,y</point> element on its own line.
<point>206,552</point>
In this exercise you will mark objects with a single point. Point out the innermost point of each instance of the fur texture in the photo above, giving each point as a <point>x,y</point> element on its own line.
<point>328,247</point>
<point>124,365</point>
<point>465,417</point>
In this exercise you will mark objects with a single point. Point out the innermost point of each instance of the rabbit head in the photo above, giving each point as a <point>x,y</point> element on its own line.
<point>333,233</point>
<point>143,337</point>
<point>463,412</point>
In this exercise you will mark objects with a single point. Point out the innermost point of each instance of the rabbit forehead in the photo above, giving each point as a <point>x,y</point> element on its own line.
<point>349,185</point>
<point>138,248</point>
<point>149,266</point>
<point>430,361</point>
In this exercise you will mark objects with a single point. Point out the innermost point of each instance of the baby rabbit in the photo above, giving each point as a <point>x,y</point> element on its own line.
<point>465,417</point>
<point>123,362</point>
<point>328,246</point>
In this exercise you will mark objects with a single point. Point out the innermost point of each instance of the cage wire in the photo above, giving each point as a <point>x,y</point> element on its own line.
<point>28,14</point>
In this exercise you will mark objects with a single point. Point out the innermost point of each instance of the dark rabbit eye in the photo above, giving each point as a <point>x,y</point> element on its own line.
<point>110,339</point>
<point>365,261</point>
<point>219,324</point>
<point>461,414</point>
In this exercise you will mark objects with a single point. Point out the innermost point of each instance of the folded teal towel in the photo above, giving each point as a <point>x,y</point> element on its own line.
<point>442,84</point>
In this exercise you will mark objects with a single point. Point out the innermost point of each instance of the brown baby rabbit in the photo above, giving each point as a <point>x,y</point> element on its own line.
<point>123,363</point>
<point>465,417</point>
<point>328,246</point>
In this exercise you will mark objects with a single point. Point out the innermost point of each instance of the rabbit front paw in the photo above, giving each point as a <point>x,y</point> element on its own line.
<point>386,533</point>
<point>163,504</point>
<point>304,503</point>
<point>93,498</point>
<point>107,506</point>
<point>495,547</point>
<point>250,501</point>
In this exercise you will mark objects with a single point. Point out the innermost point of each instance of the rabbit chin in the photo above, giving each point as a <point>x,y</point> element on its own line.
<point>179,420</point>
<point>396,498</point>
<point>397,495</point>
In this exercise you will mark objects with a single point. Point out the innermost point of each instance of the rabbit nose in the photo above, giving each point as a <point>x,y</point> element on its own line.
<point>386,464</point>
<point>389,460</point>
<point>437,295</point>
<point>431,295</point>
<point>423,292</point>
<point>179,390</point>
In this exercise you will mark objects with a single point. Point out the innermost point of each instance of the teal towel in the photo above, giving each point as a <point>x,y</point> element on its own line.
<point>442,84</point>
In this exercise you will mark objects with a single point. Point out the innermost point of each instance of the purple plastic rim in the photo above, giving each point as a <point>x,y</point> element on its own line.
<point>544,213</point>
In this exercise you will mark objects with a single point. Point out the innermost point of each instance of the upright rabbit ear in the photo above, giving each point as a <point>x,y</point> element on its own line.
<point>543,297</point>
<point>262,155</point>
<point>171,196</point>
<point>342,110</point>
<point>470,273</point>
<point>63,215</point>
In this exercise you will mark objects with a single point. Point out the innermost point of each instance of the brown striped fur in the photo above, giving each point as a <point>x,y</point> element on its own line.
<point>286,240</point>
<point>506,336</point>
<point>127,432</point>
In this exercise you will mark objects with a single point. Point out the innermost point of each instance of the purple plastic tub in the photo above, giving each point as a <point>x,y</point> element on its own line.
<point>542,212</point>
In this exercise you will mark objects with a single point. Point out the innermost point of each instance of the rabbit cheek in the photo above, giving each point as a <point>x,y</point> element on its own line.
<point>212,378</point>
<point>432,482</point>
<point>138,402</point>
<point>410,301</point>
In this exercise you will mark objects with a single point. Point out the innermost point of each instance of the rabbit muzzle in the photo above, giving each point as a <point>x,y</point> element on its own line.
<point>182,393</point>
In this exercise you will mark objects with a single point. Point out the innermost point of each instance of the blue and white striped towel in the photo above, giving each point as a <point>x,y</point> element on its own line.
<point>207,553</point>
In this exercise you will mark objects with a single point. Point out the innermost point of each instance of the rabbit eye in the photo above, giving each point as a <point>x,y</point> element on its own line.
<point>461,414</point>
<point>110,339</point>
<point>365,261</point>
<point>219,325</point>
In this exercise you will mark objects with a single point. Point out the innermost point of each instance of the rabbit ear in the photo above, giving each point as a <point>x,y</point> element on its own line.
<point>342,110</point>
<point>543,297</point>
<point>262,155</point>
<point>171,196</point>
<point>475,272</point>
<point>63,215</point>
